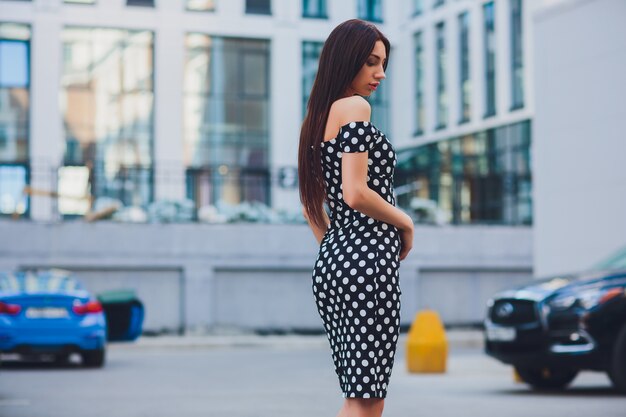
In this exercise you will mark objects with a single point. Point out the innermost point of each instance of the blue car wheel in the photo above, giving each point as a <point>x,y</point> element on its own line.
<point>93,358</point>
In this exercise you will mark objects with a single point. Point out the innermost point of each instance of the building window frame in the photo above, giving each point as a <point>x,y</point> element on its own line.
<point>441,121</point>
<point>132,183</point>
<point>418,44</point>
<point>370,10</point>
<point>209,9</point>
<point>262,10</point>
<point>465,83</point>
<point>418,8</point>
<point>141,3</point>
<point>318,12</point>
<point>208,176</point>
<point>517,55</point>
<point>311,51</point>
<point>489,48</point>
<point>81,2</point>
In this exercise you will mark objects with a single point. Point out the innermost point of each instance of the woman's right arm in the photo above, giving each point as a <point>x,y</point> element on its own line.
<point>370,203</point>
<point>356,192</point>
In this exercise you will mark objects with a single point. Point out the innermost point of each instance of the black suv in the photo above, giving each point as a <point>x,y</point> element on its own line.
<point>552,328</point>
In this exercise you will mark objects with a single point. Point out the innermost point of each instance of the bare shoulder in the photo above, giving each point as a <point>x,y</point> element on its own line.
<point>350,109</point>
<point>344,111</point>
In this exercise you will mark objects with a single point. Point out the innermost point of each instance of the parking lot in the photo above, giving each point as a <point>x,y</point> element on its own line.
<point>269,378</point>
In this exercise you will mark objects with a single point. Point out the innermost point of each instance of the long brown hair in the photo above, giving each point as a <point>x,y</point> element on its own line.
<point>344,53</point>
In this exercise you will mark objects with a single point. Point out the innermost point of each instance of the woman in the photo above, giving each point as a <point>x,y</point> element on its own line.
<point>348,163</point>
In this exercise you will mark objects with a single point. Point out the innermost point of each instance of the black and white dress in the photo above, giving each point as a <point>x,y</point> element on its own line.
<point>355,279</point>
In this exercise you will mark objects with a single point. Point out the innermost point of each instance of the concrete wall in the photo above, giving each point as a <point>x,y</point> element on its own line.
<point>578,130</point>
<point>199,277</point>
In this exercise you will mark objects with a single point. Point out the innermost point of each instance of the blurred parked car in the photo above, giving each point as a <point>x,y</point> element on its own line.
<point>50,312</point>
<point>552,328</point>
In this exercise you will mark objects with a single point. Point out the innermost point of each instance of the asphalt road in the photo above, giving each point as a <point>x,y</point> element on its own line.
<point>272,381</point>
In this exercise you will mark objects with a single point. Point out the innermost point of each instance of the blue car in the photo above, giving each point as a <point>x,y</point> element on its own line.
<point>50,312</point>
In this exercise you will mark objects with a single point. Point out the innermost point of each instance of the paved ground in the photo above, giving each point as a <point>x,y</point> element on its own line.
<point>248,376</point>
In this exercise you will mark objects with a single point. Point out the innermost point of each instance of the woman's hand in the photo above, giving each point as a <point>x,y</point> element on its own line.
<point>406,238</point>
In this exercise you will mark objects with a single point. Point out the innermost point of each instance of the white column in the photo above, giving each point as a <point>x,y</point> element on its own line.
<point>286,90</point>
<point>169,50</point>
<point>46,130</point>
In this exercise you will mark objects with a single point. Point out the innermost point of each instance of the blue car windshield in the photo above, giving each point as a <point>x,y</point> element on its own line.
<point>47,281</point>
<point>615,261</point>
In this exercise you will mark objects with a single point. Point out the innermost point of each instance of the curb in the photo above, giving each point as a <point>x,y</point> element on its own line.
<point>457,339</point>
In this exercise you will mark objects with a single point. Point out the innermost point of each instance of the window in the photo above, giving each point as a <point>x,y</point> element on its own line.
<point>419,84</point>
<point>418,7</point>
<point>310,58</point>
<point>314,8</point>
<point>480,178</point>
<point>490,59</point>
<point>517,58</point>
<point>200,5</point>
<point>226,120</point>
<point>14,117</point>
<point>442,99</point>
<point>464,61</point>
<point>379,100</point>
<point>370,10</point>
<point>143,3</point>
<point>79,1</point>
<point>107,102</point>
<point>258,7</point>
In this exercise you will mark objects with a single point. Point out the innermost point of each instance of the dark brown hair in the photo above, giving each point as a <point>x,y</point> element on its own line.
<point>344,53</point>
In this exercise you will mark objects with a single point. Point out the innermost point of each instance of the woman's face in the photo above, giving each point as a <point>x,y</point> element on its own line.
<point>371,74</point>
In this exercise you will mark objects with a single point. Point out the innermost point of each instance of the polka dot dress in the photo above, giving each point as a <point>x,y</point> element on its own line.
<point>355,279</point>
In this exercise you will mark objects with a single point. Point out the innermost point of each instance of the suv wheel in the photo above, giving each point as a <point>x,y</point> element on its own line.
<point>546,378</point>
<point>617,372</point>
<point>93,358</point>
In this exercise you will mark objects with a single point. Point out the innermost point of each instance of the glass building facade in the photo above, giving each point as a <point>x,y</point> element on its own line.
<point>107,100</point>
<point>222,154</point>
<point>481,178</point>
<point>226,119</point>
<point>14,117</point>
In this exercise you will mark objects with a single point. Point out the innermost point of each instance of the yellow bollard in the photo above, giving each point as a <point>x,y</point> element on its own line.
<point>426,345</point>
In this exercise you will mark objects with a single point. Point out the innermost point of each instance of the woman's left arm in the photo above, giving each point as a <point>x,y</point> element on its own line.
<point>317,231</point>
